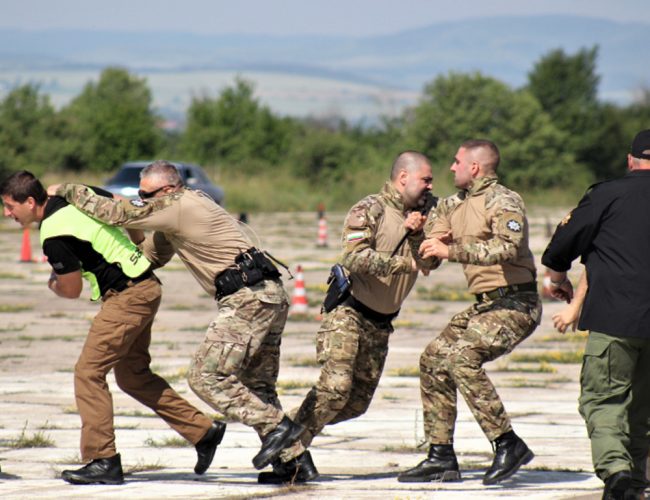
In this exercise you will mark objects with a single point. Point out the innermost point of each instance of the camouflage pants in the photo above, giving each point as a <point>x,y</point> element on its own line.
<point>351,351</point>
<point>236,368</point>
<point>454,360</point>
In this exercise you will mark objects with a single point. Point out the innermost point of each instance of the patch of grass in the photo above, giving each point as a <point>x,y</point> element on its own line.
<point>135,413</point>
<point>303,317</point>
<point>289,385</point>
<point>12,356</point>
<point>578,336</point>
<point>128,427</point>
<point>141,466</point>
<point>13,308</point>
<point>12,328</point>
<point>70,410</point>
<point>195,328</point>
<point>313,301</point>
<point>387,396</point>
<point>36,440</point>
<point>181,374</point>
<point>320,288</point>
<point>522,382</point>
<point>543,367</point>
<point>403,448</point>
<point>180,307</point>
<point>11,276</point>
<point>168,442</point>
<point>56,314</point>
<point>445,293</point>
<point>48,427</point>
<point>64,338</point>
<point>564,357</point>
<point>409,371</point>
<point>435,308</point>
<point>404,323</point>
<point>310,362</point>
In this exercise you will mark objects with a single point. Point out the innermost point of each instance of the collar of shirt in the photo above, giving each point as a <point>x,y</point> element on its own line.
<point>479,185</point>
<point>392,196</point>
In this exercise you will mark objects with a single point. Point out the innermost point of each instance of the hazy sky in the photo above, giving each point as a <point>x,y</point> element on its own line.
<point>289,17</point>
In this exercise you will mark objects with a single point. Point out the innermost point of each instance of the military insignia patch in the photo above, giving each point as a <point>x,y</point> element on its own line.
<point>514,226</point>
<point>354,237</point>
<point>137,203</point>
<point>566,219</point>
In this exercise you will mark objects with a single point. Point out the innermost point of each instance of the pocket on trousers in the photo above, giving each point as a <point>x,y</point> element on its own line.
<point>224,358</point>
<point>595,374</point>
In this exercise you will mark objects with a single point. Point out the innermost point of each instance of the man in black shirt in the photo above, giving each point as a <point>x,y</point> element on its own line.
<point>120,334</point>
<point>610,231</point>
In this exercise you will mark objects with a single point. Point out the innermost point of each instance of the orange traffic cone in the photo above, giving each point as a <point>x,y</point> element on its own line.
<point>322,232</point>
<point>26,247</point>
<point>299,299</point>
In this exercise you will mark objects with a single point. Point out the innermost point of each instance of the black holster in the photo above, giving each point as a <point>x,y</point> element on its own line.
<point>339,288</point>
<point>251,267</point>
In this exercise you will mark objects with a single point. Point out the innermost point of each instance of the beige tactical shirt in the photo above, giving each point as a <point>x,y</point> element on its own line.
<point>205,237</point>
<point>372,230</point>
<point>490,235</point>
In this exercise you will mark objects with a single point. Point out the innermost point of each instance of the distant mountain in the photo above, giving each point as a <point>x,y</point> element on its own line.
<point>503,47</point>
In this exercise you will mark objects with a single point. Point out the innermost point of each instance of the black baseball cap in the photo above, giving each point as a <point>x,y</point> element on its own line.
<point>641,145</point>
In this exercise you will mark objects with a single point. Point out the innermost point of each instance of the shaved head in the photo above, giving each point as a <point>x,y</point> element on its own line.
<point>484,152</point>
<point>409,161</point>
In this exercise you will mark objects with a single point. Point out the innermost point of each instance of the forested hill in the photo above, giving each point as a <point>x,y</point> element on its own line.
<point>503,47</point>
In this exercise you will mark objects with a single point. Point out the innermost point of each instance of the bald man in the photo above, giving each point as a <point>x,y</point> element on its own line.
<point>352,342</point>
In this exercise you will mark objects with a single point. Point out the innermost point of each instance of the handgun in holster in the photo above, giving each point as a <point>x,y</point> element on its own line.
<point>339,288</point>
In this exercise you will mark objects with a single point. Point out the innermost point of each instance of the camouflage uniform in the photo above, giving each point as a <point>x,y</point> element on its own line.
<point>351,346</point>
<point>490,239</point>
<point>236,367</point>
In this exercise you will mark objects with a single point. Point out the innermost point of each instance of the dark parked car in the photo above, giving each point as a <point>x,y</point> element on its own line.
<point>127,179</point>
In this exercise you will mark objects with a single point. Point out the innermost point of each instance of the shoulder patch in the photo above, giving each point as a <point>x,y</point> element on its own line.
<point>514,226</point>
<point>566,219</point>
<point>364,213</point>
<point>137,202</point>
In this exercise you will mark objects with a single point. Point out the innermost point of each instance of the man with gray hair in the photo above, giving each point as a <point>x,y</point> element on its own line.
<point>352,342</point>
<point>236,367</point>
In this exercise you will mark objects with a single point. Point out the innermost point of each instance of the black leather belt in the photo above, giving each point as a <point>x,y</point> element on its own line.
<point>133,281</point>
<point>368,313</point>
<point>504,291</point>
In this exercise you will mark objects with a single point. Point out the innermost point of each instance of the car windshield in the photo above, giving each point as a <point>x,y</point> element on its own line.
<point>127,176</point>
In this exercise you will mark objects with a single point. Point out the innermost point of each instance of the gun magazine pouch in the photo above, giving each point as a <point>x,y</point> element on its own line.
<point>251,267</point>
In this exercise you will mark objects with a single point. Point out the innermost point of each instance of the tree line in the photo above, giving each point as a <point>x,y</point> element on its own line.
<point>553,132</point>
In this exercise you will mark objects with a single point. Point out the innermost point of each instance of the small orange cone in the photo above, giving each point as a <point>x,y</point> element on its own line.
<point>26,247</point>
<point>322,232</point>
<point>299,299</point>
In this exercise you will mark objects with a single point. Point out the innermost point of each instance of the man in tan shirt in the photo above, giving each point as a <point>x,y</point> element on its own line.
<point>352,342</point>
<point>483,227</point>
<point>236,367</point>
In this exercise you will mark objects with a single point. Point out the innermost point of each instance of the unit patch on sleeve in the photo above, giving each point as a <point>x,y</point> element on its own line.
<point>514,226</point>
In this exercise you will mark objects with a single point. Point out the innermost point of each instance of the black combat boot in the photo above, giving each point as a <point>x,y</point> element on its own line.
<point>618,486</point>
<point>511,453</point>
<point>207,446</point>
<point>283,436</point>
<point>297,470</point>
<point>100,470</point>
<point>440,465</point>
